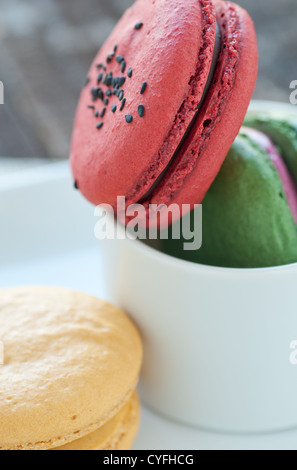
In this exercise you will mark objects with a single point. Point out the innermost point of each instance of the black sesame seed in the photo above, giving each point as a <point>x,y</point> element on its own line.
<point>99,125</point>
<point>122,81</point>
<point>101,66</point>
<point>141,110</point>
<point>87,81</point>
<point>108,93</point>
<point>143,88</point>
<point>113,108</point>
<point>90,106</point>
<point>120,59</point>
<point>94,94</point>
<point>106,101</point>
<point>129,118</point>
<point>99,78</point>
<point>100,94</point>
<point>110,57</point>
<point>75,184</point>
<point>138,26</point>
<point>115,82</point>
<point>121,95</point>
<point>108,79</point>
<point>96,114</point>
<point>102,112</point>
<point>123,104</point>
<point>123,66</point>
<point>130,72</point>
<point>115,48</point>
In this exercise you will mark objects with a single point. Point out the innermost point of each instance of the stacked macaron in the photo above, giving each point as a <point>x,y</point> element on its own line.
<point>70,369</point>
<point>163,101</point>
<point>250,211</point>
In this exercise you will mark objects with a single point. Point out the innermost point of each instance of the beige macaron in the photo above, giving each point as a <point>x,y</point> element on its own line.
<point>70,368</point>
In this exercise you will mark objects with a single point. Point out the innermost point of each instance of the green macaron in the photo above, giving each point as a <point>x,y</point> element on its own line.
<point>282,129</point>
<point>247,221</point>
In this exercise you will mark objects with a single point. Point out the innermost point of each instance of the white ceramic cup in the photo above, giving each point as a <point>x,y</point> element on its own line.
<point>220,345</point>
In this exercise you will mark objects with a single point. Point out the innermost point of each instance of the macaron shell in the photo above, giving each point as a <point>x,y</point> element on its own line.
<point>117,434</point>
<point>222,115</point>
<point>282,129</point>
<point>71,363</point>
<point>124,159</point>
<point>247,222</point>
<point>290,187</point>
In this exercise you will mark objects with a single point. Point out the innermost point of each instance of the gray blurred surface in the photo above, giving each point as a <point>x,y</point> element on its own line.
<point>48,45</point>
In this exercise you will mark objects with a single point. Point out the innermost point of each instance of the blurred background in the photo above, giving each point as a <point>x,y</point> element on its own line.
<point>48,45</point>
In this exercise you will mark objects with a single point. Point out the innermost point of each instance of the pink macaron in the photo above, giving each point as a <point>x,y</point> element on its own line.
<point>163,102</point>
